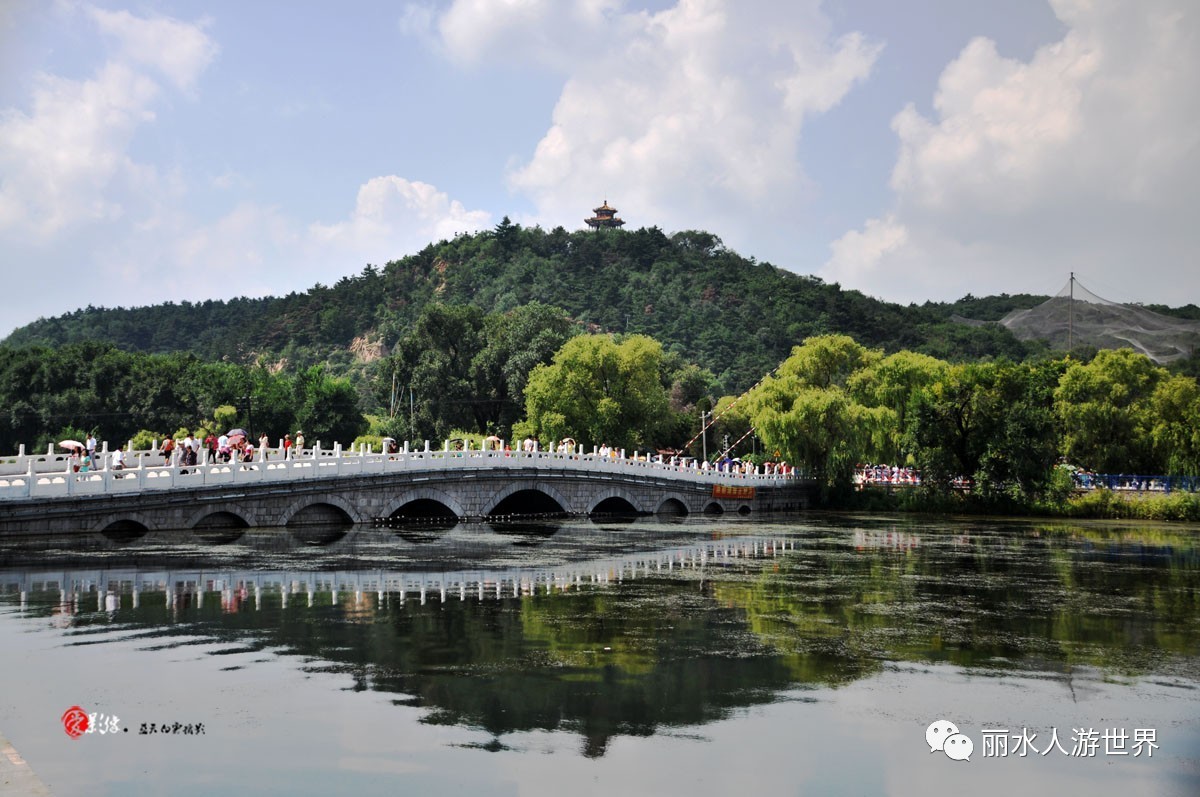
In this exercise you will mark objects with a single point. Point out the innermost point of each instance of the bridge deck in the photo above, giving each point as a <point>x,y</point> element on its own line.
<point>35,484</point>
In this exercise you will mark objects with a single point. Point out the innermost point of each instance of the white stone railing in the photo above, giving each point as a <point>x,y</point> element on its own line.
<point>54,475</point>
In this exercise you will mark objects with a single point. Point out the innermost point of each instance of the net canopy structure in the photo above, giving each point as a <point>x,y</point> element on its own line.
<point>1078,317</point>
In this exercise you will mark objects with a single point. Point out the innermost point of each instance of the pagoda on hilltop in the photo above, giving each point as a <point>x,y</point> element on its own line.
<point>605,217</point>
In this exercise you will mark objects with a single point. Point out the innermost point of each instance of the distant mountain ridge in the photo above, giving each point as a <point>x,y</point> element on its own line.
<point>733,315</point>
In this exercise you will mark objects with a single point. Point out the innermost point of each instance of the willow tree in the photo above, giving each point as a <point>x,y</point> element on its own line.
<point>598,390</point>
<point>805,413</point>
<point>992,422</point>
<point>1175,428</point>
<point>893,386</point>
<point>1105,407</point>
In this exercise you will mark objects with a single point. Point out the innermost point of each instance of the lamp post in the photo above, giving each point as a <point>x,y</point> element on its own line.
<point>248,403</point>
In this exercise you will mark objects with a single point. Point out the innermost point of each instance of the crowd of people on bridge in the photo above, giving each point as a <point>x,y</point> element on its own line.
<point>190,450</point>
<point>234,446</point>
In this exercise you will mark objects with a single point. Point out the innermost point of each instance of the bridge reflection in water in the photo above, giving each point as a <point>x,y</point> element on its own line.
<point>606,630</point>
<point>110,589</point>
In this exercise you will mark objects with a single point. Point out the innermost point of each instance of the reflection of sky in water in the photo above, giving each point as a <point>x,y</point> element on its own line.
<point>1060,628</point>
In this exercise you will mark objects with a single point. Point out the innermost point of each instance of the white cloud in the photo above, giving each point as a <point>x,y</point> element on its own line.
<point>857,253</point>
<point>179,50</point>
<point>1083,158</point>
<point>550,32</point>
<point>243,251</point>
<point>59,161</point>
<point>686,118</point>
<point>65,161</point>
<point>393,216</point>
<point>106,228</point>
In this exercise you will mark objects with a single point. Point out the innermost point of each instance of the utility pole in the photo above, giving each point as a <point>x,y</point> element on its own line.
<point>704,432</point>
<point>1071,317</point>
<point>248,401</point>
<point>392,405</point>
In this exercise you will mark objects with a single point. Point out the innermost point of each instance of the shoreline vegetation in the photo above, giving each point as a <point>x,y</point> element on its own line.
<point>1097,504</point>
<point>635,341</point>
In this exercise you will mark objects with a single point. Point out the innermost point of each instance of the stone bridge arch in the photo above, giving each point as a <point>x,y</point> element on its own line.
<point>602,495</point>
<point>512,488</point>
<point>123,520</point>
<point>125,526</point>
<point>300,504</point>
<point>408,496</point>
<point>674,504</point>
<point>198,516</point>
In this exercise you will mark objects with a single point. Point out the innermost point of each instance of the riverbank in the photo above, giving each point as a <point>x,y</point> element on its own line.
<point>1096,504</point>
<point>15,775</point>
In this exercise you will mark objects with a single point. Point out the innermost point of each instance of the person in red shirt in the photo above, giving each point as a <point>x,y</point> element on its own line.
<point>287,446</point>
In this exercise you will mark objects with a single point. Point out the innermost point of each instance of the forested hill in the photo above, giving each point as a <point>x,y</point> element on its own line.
<point>727,313</point>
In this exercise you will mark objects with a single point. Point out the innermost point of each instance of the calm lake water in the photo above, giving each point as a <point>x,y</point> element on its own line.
<point>798,655</point>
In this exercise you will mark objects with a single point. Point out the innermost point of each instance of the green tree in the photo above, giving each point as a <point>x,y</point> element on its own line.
<point>893,385</point>
<point>1106,412</point>
<point>599,390</point>
<point>1024,442</point>
<point>514,343</point>
<point>828,361</point>
<point>434,360</point>
<point>806,413</point>
<point>327,408</point>
<point>991,422</point>
<point>818,429</point>
<point>950,426</point>
<point>1175,425</point>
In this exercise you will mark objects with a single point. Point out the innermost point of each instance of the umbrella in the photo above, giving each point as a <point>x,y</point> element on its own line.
<point>236,434</point>
<point>70,444</point>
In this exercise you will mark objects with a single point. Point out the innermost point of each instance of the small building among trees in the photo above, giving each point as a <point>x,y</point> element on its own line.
<point>605,217</point>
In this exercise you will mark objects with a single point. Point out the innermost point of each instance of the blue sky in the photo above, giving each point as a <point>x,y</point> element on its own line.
<point>169,151</point>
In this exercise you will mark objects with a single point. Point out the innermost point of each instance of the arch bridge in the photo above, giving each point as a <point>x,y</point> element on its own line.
<point>333,488</point>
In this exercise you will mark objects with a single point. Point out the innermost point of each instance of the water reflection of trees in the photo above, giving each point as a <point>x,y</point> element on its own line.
<point>1053,599</point>
<point>686,647</point>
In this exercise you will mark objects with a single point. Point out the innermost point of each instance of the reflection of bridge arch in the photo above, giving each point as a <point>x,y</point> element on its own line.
<point>294,510</point>
<point>527,486</point>
<point>423,494</point>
